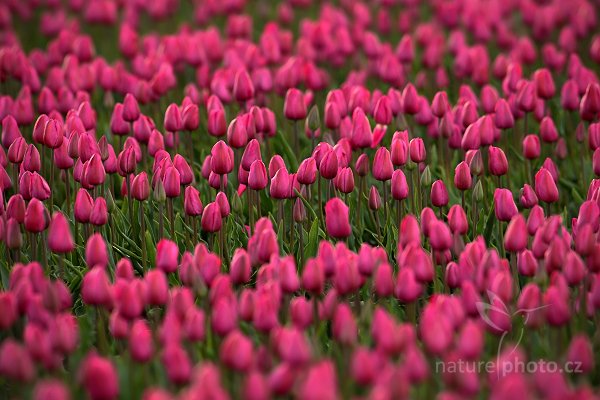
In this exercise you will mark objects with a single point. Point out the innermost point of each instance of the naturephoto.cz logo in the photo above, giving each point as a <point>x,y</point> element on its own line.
<point>507,360</point>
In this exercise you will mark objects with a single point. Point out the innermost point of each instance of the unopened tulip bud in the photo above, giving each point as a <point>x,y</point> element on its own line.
<point>211,218</point>
<point>140,187</point>
<point>314,120</point>
<point>167,256</point>
<point>362,165</point>
<point>515,238</point>
<point>99,378</point>
<point>417,150</point>
<point>96,254</point>
<point>374,199</point>
<point>439,194</point>
<point>382,165</point>
<point>478,192</point>
<point>545,186</point>
<point>497,162</point>
<point>60,239</point>
<point>462,176</point>
<point>426,178</point>
<point>294,107</point>
<point>299,211</point>
<point>337,219</point>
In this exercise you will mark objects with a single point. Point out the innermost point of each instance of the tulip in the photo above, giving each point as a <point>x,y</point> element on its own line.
<point>236,351</point>
<point>580,353</point>
<point>439,194</point>
<point>417,150</point>
<point>497,162</point>
<point>140,187</point>
<point>374,199</point>
<point>221,158</point>
<point>462,177</point>
<point>211,218</point>
<point>15,362</point>
<point>515,238</point>
<point>99,214</point>
<point>243,88</point>
<point>545,187</point>
<point>51,389</point>
<point>60,239</point>
<point>336,219</point>
<point>96,254</point>
<point>504,205</point>
<point>167,255</point>
<point>99,378</point>
<point>294,107</point>
<point>382,165</point>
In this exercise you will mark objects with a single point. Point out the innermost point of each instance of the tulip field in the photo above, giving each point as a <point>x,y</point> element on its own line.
<point>299,199</point>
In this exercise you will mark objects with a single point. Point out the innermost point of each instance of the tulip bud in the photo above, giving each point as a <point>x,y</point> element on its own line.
<point>382,165</point>
<point>462,176</point>
<point>545,186</point>
<point>172,182</point>
<point>173,122</point>
<point>426,178</point>
<point>140,187</point>
<point>581,353</point>
<point>362,165</point>
<point>294,107</point>
<point>399,185</point>
<point>515,238</point>
<point>167,255</point>
<point>221,158</point>
<point>299,211</point>
<point>131,109</point>
<point>374,199</point>
<point>60,239</point>
<point>417,150</point>
<point>439,194</point>
<point>12,234</point>
<point>99,214</point>
<point>314,120</point>
<point>243,88</point>
<point>497,162</point>
<point>478,192</point>
<point>99,378</point>
<point>504,205</point>
<point>95,252</point>
<point>211,218</point>
<point>15,362</point>
<point>257,178</point>
<point>337,219</point>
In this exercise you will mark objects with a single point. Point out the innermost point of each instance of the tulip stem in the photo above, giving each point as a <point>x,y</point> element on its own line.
<point>171,217</point>
<point>142,234</point>
<point>51,185</point>
<point>515,273</point>
<point>320,198</point>
<point>300,243</point>
<point>296,138</point>
<point>281,217</point>
<point>129,204</point>
<point>385,203</point>
<point>250,210</point>
<point>500,239</point>
<point>222,243</point>
<point>61,266</point>
<point>160,220</point>
<point>411,311</point>
<point>195,229</point>
<point>16,178</point>
<point>33,242</point>
<point>68,191</point>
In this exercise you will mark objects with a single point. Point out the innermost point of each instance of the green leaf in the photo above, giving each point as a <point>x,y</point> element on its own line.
<point>313,240</point>
<point>281,143</point>
<point>489,225</point>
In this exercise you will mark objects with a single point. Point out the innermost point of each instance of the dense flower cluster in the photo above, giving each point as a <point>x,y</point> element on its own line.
<point>319,200</point>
